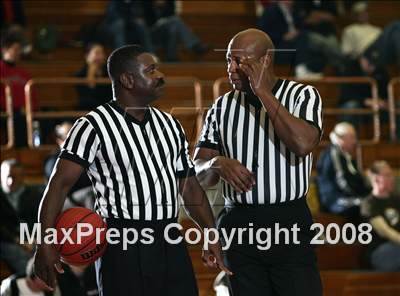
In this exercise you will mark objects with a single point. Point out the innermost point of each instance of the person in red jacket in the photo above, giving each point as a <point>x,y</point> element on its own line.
<point>16,76</point>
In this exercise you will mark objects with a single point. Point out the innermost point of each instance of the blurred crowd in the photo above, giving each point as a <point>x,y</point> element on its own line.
<point>305,36</point>
<point>304,33</point>
<point>345,190</point>
<point>309,28</point>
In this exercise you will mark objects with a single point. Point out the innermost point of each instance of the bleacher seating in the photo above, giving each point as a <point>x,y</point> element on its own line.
<point>355,283</point>
<point>202,16</point>
<point>341,264</point>
<point>394,107</point>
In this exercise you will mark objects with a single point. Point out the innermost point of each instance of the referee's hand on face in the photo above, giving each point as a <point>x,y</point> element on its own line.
<point>46,264</point>
<point>234,173</point>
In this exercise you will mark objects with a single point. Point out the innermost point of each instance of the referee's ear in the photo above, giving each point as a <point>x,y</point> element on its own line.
<point>127,80</point>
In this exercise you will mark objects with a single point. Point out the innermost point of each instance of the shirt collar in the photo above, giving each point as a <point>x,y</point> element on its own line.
<point>147,115</point>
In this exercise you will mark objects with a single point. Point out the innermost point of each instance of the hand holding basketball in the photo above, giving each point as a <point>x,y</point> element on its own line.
<point>81,249</point>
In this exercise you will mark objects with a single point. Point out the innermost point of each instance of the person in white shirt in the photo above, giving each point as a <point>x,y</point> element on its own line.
<point>357,37</point>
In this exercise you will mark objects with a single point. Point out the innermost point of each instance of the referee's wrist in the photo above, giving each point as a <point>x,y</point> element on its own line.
<point>265,93</point>
<point>215,163</point>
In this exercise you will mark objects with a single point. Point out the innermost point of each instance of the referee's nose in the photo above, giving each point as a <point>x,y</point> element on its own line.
<point>159,78</point>
<point>233,66</point>
<point>159,75</point>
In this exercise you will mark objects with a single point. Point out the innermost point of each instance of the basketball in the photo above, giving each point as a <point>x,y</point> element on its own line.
<point>76,240</point>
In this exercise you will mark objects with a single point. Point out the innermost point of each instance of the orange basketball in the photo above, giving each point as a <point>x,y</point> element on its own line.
<point>81,236</point>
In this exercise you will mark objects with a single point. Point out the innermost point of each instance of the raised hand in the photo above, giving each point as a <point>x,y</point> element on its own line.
<point>256,71</point>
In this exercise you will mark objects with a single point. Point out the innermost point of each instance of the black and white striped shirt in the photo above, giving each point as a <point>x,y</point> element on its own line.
<point>134,165</point>
<point>238,126</point>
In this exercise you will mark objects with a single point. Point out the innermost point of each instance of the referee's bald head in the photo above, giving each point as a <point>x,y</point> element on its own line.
<point>248,44</point>
<point>123,59</point>
<point>253,42</point>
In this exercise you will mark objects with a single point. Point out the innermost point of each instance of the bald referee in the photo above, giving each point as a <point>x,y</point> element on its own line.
<point>258,139</point>
<point>137,159</point>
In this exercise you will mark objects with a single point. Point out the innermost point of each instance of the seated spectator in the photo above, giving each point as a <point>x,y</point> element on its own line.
<point>319,45</point>
<point>20,33</point>
<point>153,24</point>
<point>359,95</point>
<point>18,203</point>
<point>341,184</point>
<point>382,209</point>
<point>356,38</point>
<point>93,95</point>
<point>81,194</point>
<point>282,23</point>
<point>15,255</point>
<point>124,24</point>
<point>24,199</point>
<point>167,29</point>
<point>384,51</point>
<point>16,76</point>
<point>26,284</point>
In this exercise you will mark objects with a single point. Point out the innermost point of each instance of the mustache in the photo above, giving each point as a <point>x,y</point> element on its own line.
<point>160,82</point>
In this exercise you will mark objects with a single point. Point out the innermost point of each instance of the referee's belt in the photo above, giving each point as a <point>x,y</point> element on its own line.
<point>157,225</point>
<point>232,205</point>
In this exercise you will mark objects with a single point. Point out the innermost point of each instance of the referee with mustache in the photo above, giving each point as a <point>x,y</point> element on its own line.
<point>258,140</point>
<point>138,161</point>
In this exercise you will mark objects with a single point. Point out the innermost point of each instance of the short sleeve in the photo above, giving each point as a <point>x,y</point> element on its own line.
<point>184,165</point>
<point>309,107</point>
<point>209,136</point>
<point>82,143</point>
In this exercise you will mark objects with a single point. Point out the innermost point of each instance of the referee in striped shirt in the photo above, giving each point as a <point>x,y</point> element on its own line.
<point>258,139</point>
<point>137,159</point>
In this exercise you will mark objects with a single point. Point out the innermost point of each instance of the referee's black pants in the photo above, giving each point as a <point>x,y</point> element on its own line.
<point>157,269</point>
<point>284,270</point>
